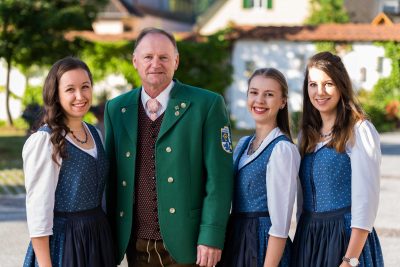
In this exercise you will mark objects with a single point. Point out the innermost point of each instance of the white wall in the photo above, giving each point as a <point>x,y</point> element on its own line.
<point>365,55</point>
<point>291,58</point>
<point>108,27</point>
<point>17,86</point>
<point>283,12</point>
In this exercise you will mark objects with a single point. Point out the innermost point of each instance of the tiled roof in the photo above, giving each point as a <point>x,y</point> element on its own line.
<point>326,32</point>
<point>92,36</point>
<point>126,36</point>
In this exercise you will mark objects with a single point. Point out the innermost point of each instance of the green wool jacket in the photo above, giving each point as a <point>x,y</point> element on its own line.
<point>194,170</point>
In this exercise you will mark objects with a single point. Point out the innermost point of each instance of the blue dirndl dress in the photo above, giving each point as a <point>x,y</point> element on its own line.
<point>247,232</point>
<point>81,233</point>
<point>323,231</point>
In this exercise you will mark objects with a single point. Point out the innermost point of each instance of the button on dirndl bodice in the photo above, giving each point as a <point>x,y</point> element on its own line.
<point>250,190</point>
<point>325,177</point>
<point>82,178</point>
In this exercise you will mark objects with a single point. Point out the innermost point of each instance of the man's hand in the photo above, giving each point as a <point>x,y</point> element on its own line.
<point>207,256</point>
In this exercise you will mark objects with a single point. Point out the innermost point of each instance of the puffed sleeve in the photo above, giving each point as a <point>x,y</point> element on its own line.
<point>41,177</point>
<point>282,171</point>
<point>299,197</point>
<point>365,156</point>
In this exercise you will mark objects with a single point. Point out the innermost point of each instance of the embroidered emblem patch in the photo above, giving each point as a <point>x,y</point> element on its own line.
<point>226,141</point>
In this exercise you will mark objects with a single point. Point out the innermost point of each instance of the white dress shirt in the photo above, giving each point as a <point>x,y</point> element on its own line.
<point>281,179</point>
<point>41,178</point>
<point>162,98</point>
<point>365,158</point>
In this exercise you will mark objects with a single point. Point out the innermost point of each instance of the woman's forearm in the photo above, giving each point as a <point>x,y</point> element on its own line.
<point>276,246</point>
<point>357,241</point>
<point>41,247</point>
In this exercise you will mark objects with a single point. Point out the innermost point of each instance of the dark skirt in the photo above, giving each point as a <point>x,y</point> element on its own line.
<point>322,238</point>
<point>80,239</point>
<point>247,240</point>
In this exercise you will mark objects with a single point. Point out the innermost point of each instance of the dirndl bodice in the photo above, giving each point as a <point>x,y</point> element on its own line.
<point>249,224</point>
<point>324,228</point>
<point>81,234</point>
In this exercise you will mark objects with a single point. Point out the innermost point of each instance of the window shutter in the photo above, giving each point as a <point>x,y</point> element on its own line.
<point>269,4</point>
<point>247,3</point>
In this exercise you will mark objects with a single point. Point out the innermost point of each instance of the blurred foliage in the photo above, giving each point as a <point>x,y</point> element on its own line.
<point>105,58</point>
<point>327,11</point>
<point>206,64</point>
<point>295,120</point>
<point>90,118</point>
<point>32,95</point>
<point>333,47</point>
<point>21,124</point>
<point>387,89</point>
<point>326,46</point>
<point>32,32</point>
<point>203,64</point>
<point>382,104</point>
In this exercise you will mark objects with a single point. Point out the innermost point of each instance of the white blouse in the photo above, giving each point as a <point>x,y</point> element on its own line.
<point>41,178</point>
<point>365,158</point>
<point>281,179</point>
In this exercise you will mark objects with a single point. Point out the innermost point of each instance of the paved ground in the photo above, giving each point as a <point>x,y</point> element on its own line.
<point>14,235</point>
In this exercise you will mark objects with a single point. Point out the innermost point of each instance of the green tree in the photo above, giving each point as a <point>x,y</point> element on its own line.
<point>206,64</point>
<point>382,104</point>
<point>105,58</point>
<point>203,64</point>
<point>388,88</point>
<point>327,11</point>
<point>32,32</point>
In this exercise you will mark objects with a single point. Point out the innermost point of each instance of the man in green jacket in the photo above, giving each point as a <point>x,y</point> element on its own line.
<point>169,144</point>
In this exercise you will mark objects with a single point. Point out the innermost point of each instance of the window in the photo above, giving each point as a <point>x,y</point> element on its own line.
<point>379,65</point>
<point>250,67</point>
<point>298,62</point>
<point>363,74</point>
<point>247,4</point>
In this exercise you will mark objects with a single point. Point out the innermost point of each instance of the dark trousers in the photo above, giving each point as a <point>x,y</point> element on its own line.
<point>150,253</point>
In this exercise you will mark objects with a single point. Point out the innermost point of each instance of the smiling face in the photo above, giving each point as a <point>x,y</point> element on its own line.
<point>264,99</point>
<point>156,60</point>
<point>322,91</point>
<point>75,93</point>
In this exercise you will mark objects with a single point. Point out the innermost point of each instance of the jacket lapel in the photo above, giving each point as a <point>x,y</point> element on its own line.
<point>176,108</point>
<point>129,112</point>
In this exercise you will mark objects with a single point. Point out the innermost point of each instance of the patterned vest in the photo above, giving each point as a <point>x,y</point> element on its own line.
<point>82,177</point>
<point>146,211</point>
<point>325,177</point>
<point>250,190</point>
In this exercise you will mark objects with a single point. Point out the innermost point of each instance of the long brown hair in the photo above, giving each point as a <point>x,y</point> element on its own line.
<point>348,109</point>
<point>282,117</point>
<point>54,116</point>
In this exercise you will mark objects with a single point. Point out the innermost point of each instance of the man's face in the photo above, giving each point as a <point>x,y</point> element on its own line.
<point>156,60</point>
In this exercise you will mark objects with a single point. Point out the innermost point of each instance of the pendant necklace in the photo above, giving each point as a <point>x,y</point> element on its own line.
<point>251,147</point>
<point>79,140</point>
<point>324,136</point>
